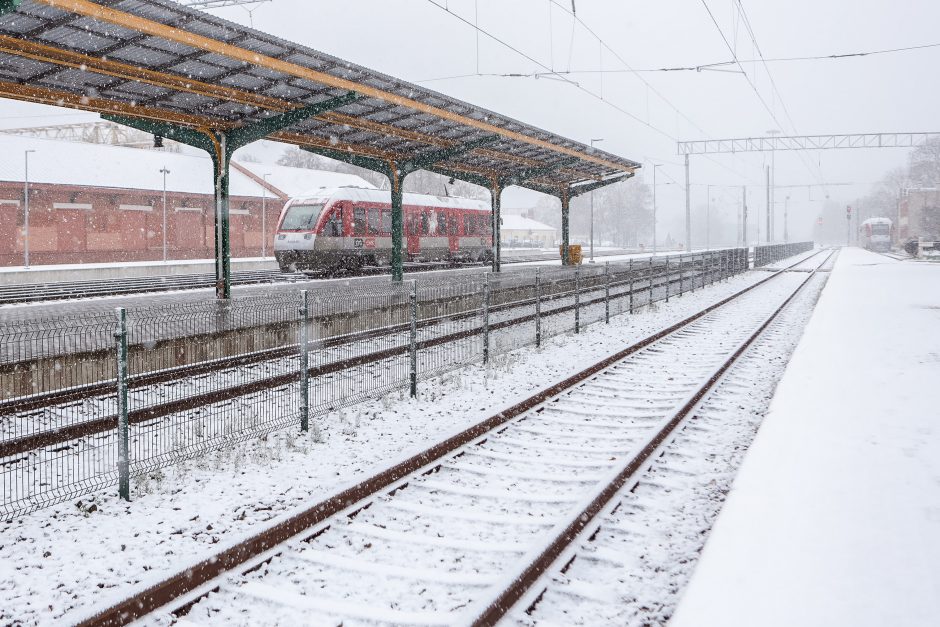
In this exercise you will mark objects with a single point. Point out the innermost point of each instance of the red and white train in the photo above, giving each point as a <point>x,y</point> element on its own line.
<point>350,227</point>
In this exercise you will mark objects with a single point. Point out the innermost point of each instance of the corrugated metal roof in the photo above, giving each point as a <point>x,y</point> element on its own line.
<point>156,59</point>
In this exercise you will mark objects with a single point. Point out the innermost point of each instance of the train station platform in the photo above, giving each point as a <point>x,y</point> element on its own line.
<point>18,275</point>
<point>834,517</point>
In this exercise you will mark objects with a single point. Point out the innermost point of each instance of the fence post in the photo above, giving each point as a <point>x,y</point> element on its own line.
<point>577,299</point>
<point>650,301</point>
<point>631,284</point>
<point>607,292</point>
<point>667,279</point>
<point>681,276</point>
<point>538,308</point>
<point>123,458</point>
<point>303,345</point>
<point>486,317</point>
<point>413,338</point>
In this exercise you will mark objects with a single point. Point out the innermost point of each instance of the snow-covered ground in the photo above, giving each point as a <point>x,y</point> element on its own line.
<point>189,511</point>
<point>834,518</point>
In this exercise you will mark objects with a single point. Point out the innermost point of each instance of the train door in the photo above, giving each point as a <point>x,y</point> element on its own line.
<point>453,233</point>
<point>413,232</point>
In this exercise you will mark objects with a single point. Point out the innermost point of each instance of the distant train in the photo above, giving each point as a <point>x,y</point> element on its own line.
<point>875,234</point>
<point>347,228</point>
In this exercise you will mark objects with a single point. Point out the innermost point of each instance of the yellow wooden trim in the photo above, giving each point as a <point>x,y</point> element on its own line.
<point>156,29</point>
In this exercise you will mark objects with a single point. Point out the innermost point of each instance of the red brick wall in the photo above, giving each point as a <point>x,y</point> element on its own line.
<point>106,233</point>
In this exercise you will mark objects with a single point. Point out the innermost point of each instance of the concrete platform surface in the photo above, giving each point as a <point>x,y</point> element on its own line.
<point>834,517</point>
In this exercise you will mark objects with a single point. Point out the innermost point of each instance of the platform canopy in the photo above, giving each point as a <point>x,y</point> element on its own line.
<point>181,73</point>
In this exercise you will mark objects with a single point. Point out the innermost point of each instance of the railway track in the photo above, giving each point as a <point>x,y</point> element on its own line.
<point>459,533</point>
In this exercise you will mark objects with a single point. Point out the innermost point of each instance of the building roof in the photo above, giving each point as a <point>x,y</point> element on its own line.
<point>157,61</point>
<point>102,165</point>
<point>520,223</point>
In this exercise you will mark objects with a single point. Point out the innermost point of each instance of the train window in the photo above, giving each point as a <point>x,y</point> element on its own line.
<point>441,223</point>
<point>425,223</point>
<point>334,227</point>
<point>301,217</point>
<point>359,221</point>
<point>452,225</point>
<point>386,221</point>
<point>485,225</point>
<point>374,224</point>
<point>467,228</point>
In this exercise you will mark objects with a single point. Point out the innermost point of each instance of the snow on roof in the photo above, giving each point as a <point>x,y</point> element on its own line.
<point>102,165</point>
<point>373,195</point>
<point>519,223</point>
<point>877,221</point>
<point>303,181</point>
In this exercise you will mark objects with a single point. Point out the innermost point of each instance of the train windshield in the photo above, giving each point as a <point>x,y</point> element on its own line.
<point>880,229</point>
<point>302,217</point>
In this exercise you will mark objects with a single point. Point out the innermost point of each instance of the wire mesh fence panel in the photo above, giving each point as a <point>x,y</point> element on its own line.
<point>512,311</point>
<point>239,370</point>
<point>359,345</point>
<point>449,326</point>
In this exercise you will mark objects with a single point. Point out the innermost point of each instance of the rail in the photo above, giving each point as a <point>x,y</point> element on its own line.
<point>59,436</point>
<point>177,594</point>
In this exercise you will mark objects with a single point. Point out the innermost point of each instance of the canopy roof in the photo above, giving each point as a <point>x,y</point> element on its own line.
<point>159,61</point>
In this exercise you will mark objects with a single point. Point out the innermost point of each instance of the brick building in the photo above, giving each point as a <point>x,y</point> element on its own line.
<point>91,203</point>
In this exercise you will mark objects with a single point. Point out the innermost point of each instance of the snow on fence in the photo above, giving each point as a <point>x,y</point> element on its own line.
<point>200,376</point>
<point>772,253</point>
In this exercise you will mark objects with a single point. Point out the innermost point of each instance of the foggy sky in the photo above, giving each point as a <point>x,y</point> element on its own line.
<point>417,41</point>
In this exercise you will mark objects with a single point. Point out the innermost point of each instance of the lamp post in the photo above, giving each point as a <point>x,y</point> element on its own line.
<point>26,207</point>
<point>773,182</point>
<point>164,172</point>
<point>592,209</point>
<point>264,228</point>
<point>655,165</point>
<point>708,214</point>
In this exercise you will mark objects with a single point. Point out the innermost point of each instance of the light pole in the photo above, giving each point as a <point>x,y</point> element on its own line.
<point>773,182</point>
<point>26,207</point>
<point>655,165</point>
<point>264,228</point>
<point>164,172</point>
<point>592,209</point>
<point>708,213</point>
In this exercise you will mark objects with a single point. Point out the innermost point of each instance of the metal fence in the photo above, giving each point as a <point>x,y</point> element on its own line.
<point>772,253</point>
<point>90,401</point>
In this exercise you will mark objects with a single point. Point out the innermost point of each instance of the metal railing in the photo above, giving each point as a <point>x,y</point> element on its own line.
<point>199,376</point>
<point>772,253</point>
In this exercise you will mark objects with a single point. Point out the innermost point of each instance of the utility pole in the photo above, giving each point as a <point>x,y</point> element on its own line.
<point>773,184</point>
<point>767,217</point>
<point>164,171</point>
<point>264,211</point>
<point>708,215</point>
<point>744,215</point>
<point>655,165</point>
<point>688,207</point>
<point>848,225</point>
<point>592,209</point>
<point>26,207</point>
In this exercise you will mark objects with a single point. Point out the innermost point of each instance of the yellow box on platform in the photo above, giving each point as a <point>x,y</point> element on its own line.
<point>574,253</point>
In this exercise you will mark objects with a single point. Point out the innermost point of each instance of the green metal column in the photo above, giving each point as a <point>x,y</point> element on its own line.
<point>565,256</point>
<point>396,179</point>
<point>8,6</point>
<point>496,192</point>
<point>223,248</point>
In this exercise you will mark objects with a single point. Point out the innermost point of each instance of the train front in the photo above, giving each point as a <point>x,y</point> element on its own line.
<point>295,243</point>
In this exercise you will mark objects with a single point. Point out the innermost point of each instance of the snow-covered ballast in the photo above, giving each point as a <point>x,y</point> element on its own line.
<point>351,227</point>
